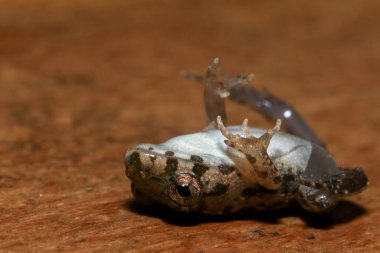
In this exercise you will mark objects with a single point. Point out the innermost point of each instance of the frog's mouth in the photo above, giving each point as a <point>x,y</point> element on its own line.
<point>145,168</point>
<point>141,197</point>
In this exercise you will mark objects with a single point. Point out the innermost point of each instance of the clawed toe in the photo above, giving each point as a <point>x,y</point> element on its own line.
<point>262,170</point>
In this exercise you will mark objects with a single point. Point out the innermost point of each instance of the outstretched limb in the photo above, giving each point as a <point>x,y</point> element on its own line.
<point>262,101</point>
<point>215,91</point>
<point>214,94</point>
<point>262,171</point>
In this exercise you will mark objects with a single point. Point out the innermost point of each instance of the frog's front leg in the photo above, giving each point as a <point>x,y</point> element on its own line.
<point>262,171</point>
<point>273,108</point>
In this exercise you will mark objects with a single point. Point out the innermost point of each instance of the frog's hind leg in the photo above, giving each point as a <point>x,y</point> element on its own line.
<point>262,101</point>
<point>214,94</point>
<point>322,195</point>
<point>347,181</point>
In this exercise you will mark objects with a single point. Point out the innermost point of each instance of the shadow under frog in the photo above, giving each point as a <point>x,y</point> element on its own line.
<point>344,212</point>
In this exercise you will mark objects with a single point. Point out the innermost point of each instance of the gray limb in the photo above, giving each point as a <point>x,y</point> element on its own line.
<point>214,94</point>
<point>262,101</point>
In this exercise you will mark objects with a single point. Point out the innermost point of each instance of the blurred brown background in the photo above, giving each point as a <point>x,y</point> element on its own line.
<point>80,81</point>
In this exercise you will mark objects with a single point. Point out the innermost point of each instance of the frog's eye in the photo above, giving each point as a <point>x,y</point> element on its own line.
<point>185,190</point>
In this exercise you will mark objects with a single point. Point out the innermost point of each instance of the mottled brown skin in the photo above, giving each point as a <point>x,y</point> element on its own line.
<point>215,191</point>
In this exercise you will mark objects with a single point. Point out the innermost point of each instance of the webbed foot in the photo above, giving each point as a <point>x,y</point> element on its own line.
<point>263,170</point>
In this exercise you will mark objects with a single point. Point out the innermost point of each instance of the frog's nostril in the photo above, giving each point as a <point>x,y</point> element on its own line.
<point>132,163</point>
<point>135,160</point>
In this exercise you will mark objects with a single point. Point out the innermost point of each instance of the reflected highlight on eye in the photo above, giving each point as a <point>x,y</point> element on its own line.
<point>185,190</point>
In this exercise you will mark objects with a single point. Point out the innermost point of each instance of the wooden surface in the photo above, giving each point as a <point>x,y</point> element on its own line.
<point>80,81</point>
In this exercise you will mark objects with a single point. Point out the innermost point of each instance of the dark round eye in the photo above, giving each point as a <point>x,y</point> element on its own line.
<point>185,190</point>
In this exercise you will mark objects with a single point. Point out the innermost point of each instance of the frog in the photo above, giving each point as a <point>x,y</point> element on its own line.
<point>224,170</point>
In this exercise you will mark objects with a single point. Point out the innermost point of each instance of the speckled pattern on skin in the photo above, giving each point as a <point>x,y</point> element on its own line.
<point>235,169</point>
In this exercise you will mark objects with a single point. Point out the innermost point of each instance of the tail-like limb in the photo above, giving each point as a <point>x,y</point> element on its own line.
<point>262,101</point>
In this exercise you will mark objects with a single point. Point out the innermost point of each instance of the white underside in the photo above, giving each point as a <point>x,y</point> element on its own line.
<point>284,149</point>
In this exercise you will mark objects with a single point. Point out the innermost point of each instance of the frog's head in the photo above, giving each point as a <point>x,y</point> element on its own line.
<point>160,177</point>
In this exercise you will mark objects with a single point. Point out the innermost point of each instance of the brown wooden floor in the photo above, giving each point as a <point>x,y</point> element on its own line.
<point>80,81</point>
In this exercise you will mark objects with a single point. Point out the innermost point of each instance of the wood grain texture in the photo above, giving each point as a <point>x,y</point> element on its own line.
<point>80,81</point>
